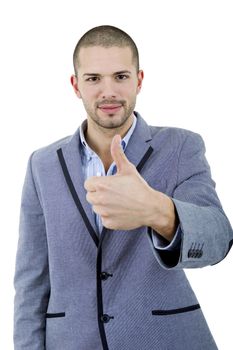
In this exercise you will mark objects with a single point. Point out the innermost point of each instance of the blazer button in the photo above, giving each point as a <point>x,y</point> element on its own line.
<point>106,318</point>
<point>104,275</point>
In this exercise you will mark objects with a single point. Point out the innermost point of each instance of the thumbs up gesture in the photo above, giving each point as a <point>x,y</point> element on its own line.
<point>125,201</point>
<point>120,199</point>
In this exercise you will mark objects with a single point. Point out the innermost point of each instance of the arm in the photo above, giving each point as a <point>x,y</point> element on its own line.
<point>31,279</point>
<point>206,234</point>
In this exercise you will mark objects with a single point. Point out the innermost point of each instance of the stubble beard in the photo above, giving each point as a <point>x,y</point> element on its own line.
<point>110,121</point>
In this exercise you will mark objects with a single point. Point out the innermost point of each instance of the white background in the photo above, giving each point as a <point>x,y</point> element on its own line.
<point>186,53</point>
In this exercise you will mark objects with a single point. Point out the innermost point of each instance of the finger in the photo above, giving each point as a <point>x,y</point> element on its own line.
<point>93,198</point>
<point>90,183</point>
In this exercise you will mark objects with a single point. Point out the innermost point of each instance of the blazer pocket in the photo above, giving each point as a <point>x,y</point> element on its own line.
<point>54,315</point>
<point>176,311</point>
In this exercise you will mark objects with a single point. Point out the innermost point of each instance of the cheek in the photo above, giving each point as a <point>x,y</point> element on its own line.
<point>130,90</point>
<point>88,97</point>
<point>122,93</point>
<point>130,94</point>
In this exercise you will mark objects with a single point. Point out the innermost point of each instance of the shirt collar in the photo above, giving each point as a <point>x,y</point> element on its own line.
<point>89,152</point>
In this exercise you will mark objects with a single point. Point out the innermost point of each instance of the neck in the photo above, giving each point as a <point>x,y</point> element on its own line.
<point>99,139</point>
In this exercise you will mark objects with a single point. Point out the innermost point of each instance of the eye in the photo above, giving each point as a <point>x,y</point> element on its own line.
<point>122,76</point>
<point>92,79</point>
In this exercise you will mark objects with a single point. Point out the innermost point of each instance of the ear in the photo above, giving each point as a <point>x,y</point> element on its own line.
<point>140,79</point>
<point>74,83</point>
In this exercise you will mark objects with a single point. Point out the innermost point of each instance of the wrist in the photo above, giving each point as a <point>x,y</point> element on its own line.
<point>161,214</point>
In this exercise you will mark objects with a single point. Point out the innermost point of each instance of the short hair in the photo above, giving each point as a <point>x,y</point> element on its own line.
<point>106,36</point>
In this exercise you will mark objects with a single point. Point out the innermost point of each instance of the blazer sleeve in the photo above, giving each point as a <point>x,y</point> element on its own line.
<point>206,233</point>
<point>31,280</point>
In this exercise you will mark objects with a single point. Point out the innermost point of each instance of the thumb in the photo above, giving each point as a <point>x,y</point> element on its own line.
<point>122,163</point>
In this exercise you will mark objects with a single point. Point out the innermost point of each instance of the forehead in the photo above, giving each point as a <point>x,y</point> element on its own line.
<point>97,59</point>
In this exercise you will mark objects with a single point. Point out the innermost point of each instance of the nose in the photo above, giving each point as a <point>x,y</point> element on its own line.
<point>108,89</point>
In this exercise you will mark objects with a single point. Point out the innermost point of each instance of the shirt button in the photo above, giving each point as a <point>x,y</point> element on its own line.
<point>104,275</point>
<point>106,318</point>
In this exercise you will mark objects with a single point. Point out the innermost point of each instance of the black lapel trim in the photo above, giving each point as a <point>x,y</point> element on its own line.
<point>75,197</point>
<point>144,159</point>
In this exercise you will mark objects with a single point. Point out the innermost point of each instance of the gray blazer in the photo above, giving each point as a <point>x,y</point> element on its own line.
<point>76,290</point>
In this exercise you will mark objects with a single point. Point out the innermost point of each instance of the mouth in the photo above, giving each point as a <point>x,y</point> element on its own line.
<point>110,108</point>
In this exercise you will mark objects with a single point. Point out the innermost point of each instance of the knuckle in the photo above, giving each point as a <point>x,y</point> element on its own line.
<point>99,187</point>
<point>86,185</point>
<point>104,213</point>
<point>106,222</point>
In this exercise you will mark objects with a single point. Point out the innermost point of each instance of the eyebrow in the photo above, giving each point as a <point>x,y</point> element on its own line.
<point>98,75</point>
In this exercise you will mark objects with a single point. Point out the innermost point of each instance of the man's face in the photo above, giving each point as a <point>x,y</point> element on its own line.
<point>108,84</point>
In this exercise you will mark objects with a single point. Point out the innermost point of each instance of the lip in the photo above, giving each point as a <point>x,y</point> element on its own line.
<point>110,108</point>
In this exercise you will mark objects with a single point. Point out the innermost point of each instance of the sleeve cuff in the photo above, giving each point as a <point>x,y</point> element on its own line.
<point>162,244</point>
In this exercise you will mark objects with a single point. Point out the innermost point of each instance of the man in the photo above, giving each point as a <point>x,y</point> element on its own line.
<point>100,258</point>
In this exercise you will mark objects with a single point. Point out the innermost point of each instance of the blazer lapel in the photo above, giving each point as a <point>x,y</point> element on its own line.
<point>137,151</point>
<point>70,160</point>
<point>139,143</point>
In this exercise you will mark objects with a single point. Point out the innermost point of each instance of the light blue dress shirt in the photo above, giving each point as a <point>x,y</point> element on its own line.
<point>92,166</point>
